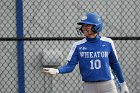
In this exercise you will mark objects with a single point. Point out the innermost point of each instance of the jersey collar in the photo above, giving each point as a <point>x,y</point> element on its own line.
<point>92,40</point>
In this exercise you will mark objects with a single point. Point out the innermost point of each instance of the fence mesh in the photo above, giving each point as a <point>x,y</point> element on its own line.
<point>58,18</point>
<point>8,64</point>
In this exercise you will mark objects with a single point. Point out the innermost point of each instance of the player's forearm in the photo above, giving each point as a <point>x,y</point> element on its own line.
<point>66,68</point>
<point>118,72</point>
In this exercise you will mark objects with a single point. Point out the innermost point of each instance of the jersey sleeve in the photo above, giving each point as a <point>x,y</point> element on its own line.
<point>115,66</point>
<point>72,61</point>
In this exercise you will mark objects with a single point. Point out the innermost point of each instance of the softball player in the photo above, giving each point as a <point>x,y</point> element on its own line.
<point>97,58</point>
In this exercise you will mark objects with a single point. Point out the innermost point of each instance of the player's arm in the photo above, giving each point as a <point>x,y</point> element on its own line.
<point>115,66</point>
<point>113,59</point>
<point>72,61</point>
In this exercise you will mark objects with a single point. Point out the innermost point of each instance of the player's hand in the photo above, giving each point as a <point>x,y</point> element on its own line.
<point>51,71</point>
<point>124,88</point>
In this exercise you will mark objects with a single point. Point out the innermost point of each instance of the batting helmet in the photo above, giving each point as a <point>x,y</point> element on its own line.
<point>93,19</point>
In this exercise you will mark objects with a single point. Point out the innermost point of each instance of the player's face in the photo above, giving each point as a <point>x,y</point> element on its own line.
<point>87,31</point>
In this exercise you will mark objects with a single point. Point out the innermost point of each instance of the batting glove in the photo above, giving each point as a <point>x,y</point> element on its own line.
<point>51,71</point>
<point>124,88</point>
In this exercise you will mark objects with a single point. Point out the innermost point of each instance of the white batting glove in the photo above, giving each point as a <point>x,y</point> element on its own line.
<point>51,71</point>
<point>124,88</point>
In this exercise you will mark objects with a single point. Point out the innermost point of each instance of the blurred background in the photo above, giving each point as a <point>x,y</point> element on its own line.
<point>49,30</point>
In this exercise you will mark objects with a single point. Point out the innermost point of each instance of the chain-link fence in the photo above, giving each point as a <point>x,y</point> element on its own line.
<point>50,29</point>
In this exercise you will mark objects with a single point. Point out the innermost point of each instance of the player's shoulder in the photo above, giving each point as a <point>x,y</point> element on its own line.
<point>80,42</point>
<point>106,39</point>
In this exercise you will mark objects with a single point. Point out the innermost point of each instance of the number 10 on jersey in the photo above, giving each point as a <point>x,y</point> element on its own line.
<point>95,64</point>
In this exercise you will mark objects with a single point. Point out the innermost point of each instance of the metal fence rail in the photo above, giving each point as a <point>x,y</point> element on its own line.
<point>49,26</point>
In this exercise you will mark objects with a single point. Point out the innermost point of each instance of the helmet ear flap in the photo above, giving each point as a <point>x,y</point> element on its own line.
<point>94,29</point>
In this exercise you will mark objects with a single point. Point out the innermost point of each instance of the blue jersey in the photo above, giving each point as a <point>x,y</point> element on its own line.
<point>96,57</point>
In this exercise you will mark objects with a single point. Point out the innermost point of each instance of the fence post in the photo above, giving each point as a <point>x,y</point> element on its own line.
<point>20,46</point>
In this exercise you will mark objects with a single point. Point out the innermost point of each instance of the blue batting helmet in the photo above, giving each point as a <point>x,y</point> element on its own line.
<point>93,19</point>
